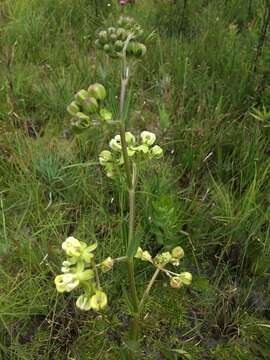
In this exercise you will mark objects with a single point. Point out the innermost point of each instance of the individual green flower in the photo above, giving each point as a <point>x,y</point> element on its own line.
<point>143,148</point>
<point>99,300</point>
<point>186,278</point>
<point>176,282</point>
<point>148,138</point>
<point>80,122</point>
<point>177,255</point>
<point>115,143</point>
<point>90,105</point>
<point>72,246</point>
<point>73,108</point>
<point>163,259</point>
<point>156,152</point>
<point>66,282</point>
<point>105,114</point>
<point>81,96</point>
<point>97,91</point>
<point>130,138</point>
<point>107,264</point>
<point>104,157</point>
<point>143,255</point>
<point>84,302</point>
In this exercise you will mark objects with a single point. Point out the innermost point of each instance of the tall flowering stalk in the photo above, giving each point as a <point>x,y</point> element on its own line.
<point>81,269</point>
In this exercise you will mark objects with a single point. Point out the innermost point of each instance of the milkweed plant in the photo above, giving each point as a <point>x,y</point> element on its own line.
<point>81,269</point>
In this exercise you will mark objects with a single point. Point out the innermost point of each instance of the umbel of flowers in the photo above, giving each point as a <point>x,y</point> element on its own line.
<point>87,108</point>
<point>144,148</point>
<point>126,34</point>
<point>80,271</point>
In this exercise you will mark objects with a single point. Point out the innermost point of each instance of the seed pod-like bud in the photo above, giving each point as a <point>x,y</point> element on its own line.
<point>98,91</point>
<point>98,44</point>
<point>113,37</point>
<point>118,45</point>
<point>121,34</point>
<point>90,105</point>
<point>103,37</point>
<point>81,96</point>
<point>111,30</point>
<point>131,50</point>
<point>139,50</point>
<point>107,48</point>
<point>176,282</point>
<point>73,108</point>
<point>186,278</point>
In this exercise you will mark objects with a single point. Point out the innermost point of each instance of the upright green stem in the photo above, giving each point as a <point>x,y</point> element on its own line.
<point>131,183</point>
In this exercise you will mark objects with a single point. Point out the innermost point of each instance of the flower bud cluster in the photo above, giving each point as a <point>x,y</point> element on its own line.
<point>86,107</point>
<point>163,259</point>
<point>111,159</point>
<point>126,33</point>
<point>79,270</point>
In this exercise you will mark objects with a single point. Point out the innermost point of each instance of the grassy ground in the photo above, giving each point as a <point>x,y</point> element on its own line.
<point>197,88</point>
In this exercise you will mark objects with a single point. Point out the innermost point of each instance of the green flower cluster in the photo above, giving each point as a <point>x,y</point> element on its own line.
<point>161,260</point>
<point>111,160</point>
<point>86,108</point>
<point>79,270</point>
<point>126,33</point>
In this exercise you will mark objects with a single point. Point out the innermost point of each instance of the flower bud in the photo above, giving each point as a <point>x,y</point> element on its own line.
<point>80,122</point>
<point>72,246</point>
<point>103,37</point>
<point>73,108</point>
<point>98,44</point>
<point>104,157</point>
<point>178,253</point>
<point>156,152</point>
<point>110,170</point>
<point>98,91</point>
<point>107,264</point>
<point>143,255</point>
<point>186,278</point>
<point>139,50</point>
<point>163,259</point>
<point>81,96</point>
<point>121,34</point>
<point>111,30</point>
<point>113,37</point>
<point>143,148</point>
<point>105,114</point>
<point>118,45</point>
<point>176,282</point>
<point>90,105</point>
<point>66,282</point>
<point>84,302</point>
<point>148,138</point>
<point>99,300</point>
<point>107,48</point>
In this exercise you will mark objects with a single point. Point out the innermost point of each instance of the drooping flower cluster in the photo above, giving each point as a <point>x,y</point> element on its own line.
<point>87,107</point>
<point>126,33</point>
<point>160,261</point>
<point>79,271</point>
<point>111,160</point>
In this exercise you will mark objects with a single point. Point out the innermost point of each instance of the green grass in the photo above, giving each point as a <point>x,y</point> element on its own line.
<point>210,193</point>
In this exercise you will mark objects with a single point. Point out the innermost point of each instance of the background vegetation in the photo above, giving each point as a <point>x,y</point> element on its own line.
<point>202,88</point>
